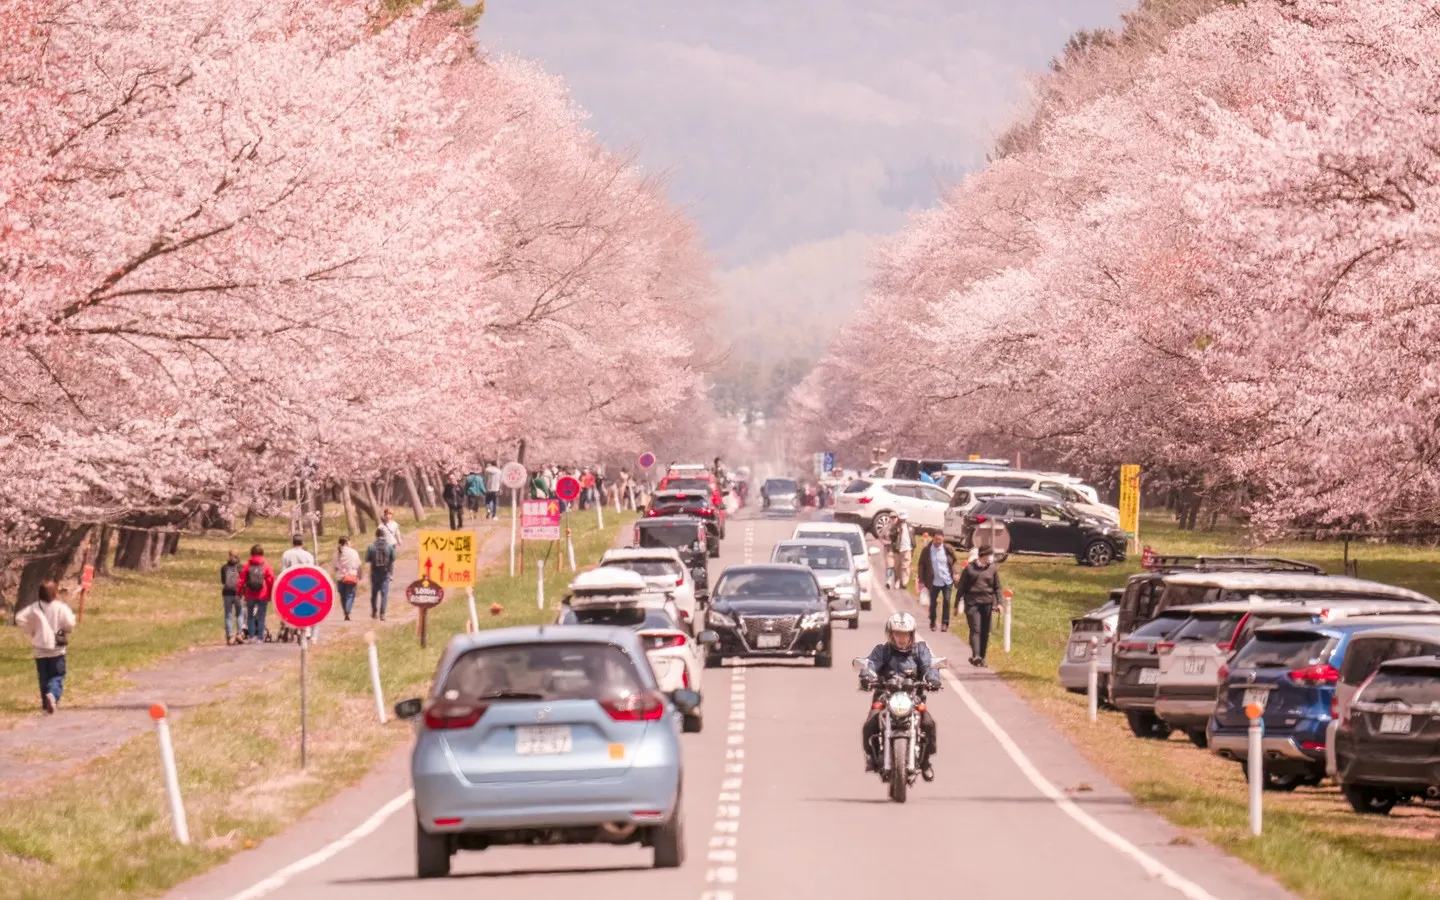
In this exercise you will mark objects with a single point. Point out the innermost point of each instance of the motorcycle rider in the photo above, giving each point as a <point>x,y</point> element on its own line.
<point>900,654</point>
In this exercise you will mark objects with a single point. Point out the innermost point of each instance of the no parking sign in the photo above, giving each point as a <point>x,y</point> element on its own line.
<point>304,596</point>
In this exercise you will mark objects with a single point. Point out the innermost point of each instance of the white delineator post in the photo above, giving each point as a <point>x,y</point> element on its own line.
<point>600,514</point>
<point>570,546</point>
<point>1092,681</point>
<point>1255,764</point>
<point>474,616</point>
<point>375,676</point>
<point>514,525</point>
<point>540,584</point>
<point>172,778</point>
<point>1007,596</point>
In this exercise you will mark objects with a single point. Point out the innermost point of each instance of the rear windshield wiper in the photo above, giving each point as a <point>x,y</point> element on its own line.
<point>511,695</point>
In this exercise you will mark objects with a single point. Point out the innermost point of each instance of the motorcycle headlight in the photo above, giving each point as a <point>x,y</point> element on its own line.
<point>715,617</point>
<point>900,705</point>
<point>815,619</point>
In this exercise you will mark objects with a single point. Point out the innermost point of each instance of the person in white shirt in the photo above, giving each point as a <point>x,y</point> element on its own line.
<point>47,623</point>
<point>392,530</point>
<point>296,556</point>
<point>347,568</point>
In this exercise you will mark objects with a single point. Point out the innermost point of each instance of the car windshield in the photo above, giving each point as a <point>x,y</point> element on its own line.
<point>1212,629</point>
<point>678,536</point>
<point>814,557</point>
<point>856,542</point>
<point>780,486</point>
<point>648,568</point>
<point>637,617</point>
<point>767,584</point>
<point>542,671</point>
<point>1158,628</point>
<point>1285,650</point>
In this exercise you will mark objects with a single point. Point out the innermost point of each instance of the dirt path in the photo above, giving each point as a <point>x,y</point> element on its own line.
<point>38,749</point>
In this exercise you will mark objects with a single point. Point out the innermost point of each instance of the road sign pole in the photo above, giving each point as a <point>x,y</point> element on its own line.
<point>540,584</point>
<point>304,725</point>
<point>374,655</point>
<point>570,545</point>
<point>1008,596</point>
<point>421,626</point>
<point>600,515</point>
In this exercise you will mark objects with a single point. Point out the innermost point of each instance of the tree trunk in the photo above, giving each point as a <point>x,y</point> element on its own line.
<point>156,548</point>
<point>415,506</point>
<point>352,523</point>
<point>387,490</point>
<point>319,497</point>
<point>51,558</point>
<point>520,454</point>
<point>172,543</point>
<point>102,556</point>
<point>249,516</point>
<point>376,510</point>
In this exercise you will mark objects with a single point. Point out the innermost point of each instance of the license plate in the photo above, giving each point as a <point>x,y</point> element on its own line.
<point>1079,651</point>
<point>1195,665</point>
<point>1394,723</point>
<point>767,641</point>
<point>1257,697</point>
<point>540,740</point>
<point>1149,676</point>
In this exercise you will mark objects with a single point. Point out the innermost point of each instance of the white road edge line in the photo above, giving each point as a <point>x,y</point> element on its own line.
<point>280,878</point>
<point>1150,864</point>
<point>721,852</point>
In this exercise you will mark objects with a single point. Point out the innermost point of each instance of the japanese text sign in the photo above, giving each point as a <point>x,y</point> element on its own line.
<point>540,520</point>
<point>447,558</point>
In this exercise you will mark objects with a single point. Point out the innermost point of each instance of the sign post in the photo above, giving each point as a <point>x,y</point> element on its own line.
<point>1130,502</point>
<point>513,477</point>
<point>474,616</point>
<point>304,596</point>
<point>567,488</point>
<point>447,559</point>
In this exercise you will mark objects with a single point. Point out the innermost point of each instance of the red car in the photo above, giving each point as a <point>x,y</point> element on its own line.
<point>701,484</point>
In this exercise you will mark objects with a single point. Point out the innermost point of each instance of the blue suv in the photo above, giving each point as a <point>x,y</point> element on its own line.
<point>1291,672</point>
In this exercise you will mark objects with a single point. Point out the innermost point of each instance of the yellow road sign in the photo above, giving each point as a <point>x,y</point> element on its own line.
<point>448,557</point>
<point>1130,499</point>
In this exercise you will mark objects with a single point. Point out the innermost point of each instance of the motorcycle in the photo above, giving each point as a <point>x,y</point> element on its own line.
<point>901,700</point>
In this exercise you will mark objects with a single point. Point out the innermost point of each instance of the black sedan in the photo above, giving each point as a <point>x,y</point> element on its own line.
<point>769,611</point>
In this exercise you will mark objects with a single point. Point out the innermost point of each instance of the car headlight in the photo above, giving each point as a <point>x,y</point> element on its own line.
<point>815,619</point>
<point>900,705</point>
<point>715,617</point>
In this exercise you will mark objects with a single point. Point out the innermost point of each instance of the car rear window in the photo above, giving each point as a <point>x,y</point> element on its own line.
<point>859,486</point>
<point>856,542</point>
<point>1365,654</point>
<point>1187,595</point>
<point>780,486</point>
<point>1285,650</point>
<point>767,584</point>
<point>1413,686</point>
<point>814,557</point>
<point>543,671</point>
<point>648,568</point>
<point>678,536</point>
<point>686,501</point>
<point>637,617</point>
<point>1159,627</point>
<point>1214,629</point>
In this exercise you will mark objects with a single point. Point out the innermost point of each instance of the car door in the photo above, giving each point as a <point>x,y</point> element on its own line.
<point>929,508</point>
<point>904,496</point>
<point>1060,531</point>
<point>1027,533</point>
<point>960,502</point>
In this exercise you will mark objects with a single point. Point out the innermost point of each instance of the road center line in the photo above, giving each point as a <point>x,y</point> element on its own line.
<point>722,856</point>
<point>1150,864</point>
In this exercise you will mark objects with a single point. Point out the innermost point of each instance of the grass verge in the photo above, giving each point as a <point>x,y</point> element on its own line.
<point>1313,843</point>
<point>105,832</point>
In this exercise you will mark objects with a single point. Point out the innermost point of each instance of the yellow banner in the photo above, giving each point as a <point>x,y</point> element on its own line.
<point>448,557</point>
<point>1130,499</point>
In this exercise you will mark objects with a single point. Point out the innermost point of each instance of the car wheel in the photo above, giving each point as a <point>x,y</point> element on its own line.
<point>1273,782</point>
<point>824,660</point>
<point>864,605</point>
<point>879,523</point>
<point>1373,801</point>
<point>1198,737</point>
<point>1147,725</point>
<point>669,841</point>
<point>432,854</point>
<point>714,550</point>
<point>1099,553</point>
<point>714,660</point>
<point>854,623</point>
<point>692,725</point>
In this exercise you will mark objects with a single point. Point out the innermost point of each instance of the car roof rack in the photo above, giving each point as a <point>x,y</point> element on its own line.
<point>1158,562</point>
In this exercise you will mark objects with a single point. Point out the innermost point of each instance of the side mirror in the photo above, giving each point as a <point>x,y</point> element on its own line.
<point>861,663</point>
<point>708,638</point>
<point>408,709</point>
<point>686,700</point>
<point>874,551</point>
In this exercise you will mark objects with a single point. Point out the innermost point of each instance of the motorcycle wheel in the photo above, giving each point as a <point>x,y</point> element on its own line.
<point>899,754</point>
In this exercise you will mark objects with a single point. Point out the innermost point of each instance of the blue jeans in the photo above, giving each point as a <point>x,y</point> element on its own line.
<point>379,589</point>
<point>232,615</point>
<point>51,670</point>
<point>492,504</point>
<point>940,592</point>
<point>255,619</point>
<point>347,597</point>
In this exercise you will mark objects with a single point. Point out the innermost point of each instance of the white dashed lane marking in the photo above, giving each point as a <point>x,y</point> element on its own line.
<point>722,856</point>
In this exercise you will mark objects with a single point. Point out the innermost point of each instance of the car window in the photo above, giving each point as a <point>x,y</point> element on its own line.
<point>960,498</point>
<point>1023,510</point>
<point>1253,622</point>
<point>1049,487</point>
<point>1415,687</point>
<point>767,584</point>
<point>1364,655</point>
<point>900,490</point>
<point>687,484</point>
<point>1186,595</point>
<point>814,557</point>
<point>1285,650</point>
<point>683,501</point>
<point>859,486</point>
<point>1053,514</point>
<point>637,617</point>
<point>680,537</point>
<point>648,568</point>
<point>551,670</point>
<point>1159,627</point>
<point>780,486</point>
<point>856,542</point>
<point>1207,629</point>
<point>933,494</point>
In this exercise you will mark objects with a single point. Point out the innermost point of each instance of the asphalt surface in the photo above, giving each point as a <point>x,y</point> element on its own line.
<point>778,805</point>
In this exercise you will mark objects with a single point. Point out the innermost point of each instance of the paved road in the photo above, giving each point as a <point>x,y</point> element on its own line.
<point>778,805</point>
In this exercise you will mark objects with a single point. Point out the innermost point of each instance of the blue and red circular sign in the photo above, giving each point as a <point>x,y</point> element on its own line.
<point>567,488</point>
<point>304,596</point>
<point>647,459</point>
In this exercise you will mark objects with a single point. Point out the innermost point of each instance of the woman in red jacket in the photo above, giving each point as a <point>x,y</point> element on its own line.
<point>257,582</point>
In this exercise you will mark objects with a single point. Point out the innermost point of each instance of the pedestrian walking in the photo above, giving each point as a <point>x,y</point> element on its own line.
<point>626,489</point>
<point>492,489</point>
<point>257,583</point>
<point>347,568</point>
<point>587,489</point>
<point>392,530</point>
<point>538,490</point>
<point>296,556</point>
<point>937,576</point>
<point>902,545</point>
<point>48,623</point>
<point>979,589</point>
<point>381,557</point>
<point>454,496</point>
<point>234,608</point>
<point>474,491</point>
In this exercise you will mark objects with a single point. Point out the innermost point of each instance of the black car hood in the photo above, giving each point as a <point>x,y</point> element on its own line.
<point>767,606</point>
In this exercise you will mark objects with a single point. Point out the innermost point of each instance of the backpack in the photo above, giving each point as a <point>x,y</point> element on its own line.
<point>380,554</point>
<point>232,578</point>
<point>255,578</point>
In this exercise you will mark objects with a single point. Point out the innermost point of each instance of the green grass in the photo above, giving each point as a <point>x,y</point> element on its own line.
<point>105,832</point>
<point>1312,843</point>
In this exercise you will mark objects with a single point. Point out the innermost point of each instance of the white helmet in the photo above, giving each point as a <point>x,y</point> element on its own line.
<point>900,623</point>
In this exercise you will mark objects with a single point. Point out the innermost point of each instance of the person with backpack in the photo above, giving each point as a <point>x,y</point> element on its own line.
<point>492,489</point>
<point>381,557</point>
<point>347,567</point>
<point>474,490</point>
<point>454,496</point>
<point>230,596</point>
<point>48,623</point>
<point>257,584</point>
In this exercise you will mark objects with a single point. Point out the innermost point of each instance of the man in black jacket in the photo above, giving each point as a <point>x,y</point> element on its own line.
<point>980,589</point>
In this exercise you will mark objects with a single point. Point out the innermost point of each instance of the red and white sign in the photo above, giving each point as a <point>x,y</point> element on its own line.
<point>304,596</point>
<point>540,520</point>
<point>567,488</point>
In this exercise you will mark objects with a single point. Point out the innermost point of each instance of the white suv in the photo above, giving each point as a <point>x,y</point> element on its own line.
<point>872,502</point>
<point>1065,488</point>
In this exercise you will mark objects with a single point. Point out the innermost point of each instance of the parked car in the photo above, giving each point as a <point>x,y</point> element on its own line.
<point>872,503</point>
<point>691,503</point>
<point>1142,591</point>
<point>910,469</point>
<point>1290,671</point>
<point>1047,527</point>
<point>1203,588</point>
<point>965,499</point>
<point>662,568</point>
<point>686,535</point>
<point>1135,671</point>
<point>834,568</point>
<point>770,610</point>
<point>676,654</point>
<point>1098,623</point>
<point>1385,747</point>
<point>1060,488</point>
<point>780,495</point>
<point>1401,636</point>
<point>537,735</point>
<point>860,552</point>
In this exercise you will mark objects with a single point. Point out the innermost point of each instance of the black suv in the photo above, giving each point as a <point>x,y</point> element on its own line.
<point>688,503</point>
<point>688,536</point>
<point>1037,526</point>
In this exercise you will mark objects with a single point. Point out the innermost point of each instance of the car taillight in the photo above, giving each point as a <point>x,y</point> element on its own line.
<point>1315,675</point>
<point>662,641</point>
<point>980,519</point>
<point>865,499</point>
<point>680,581</point>
<point>685,677</point>
<point>450,716</point>
<point>1223,674</point>
<point>1224,646</point>
<point>653,512</point>
<point>1164,647</point>
<point>642,707</point>
<point>1335,705</point>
